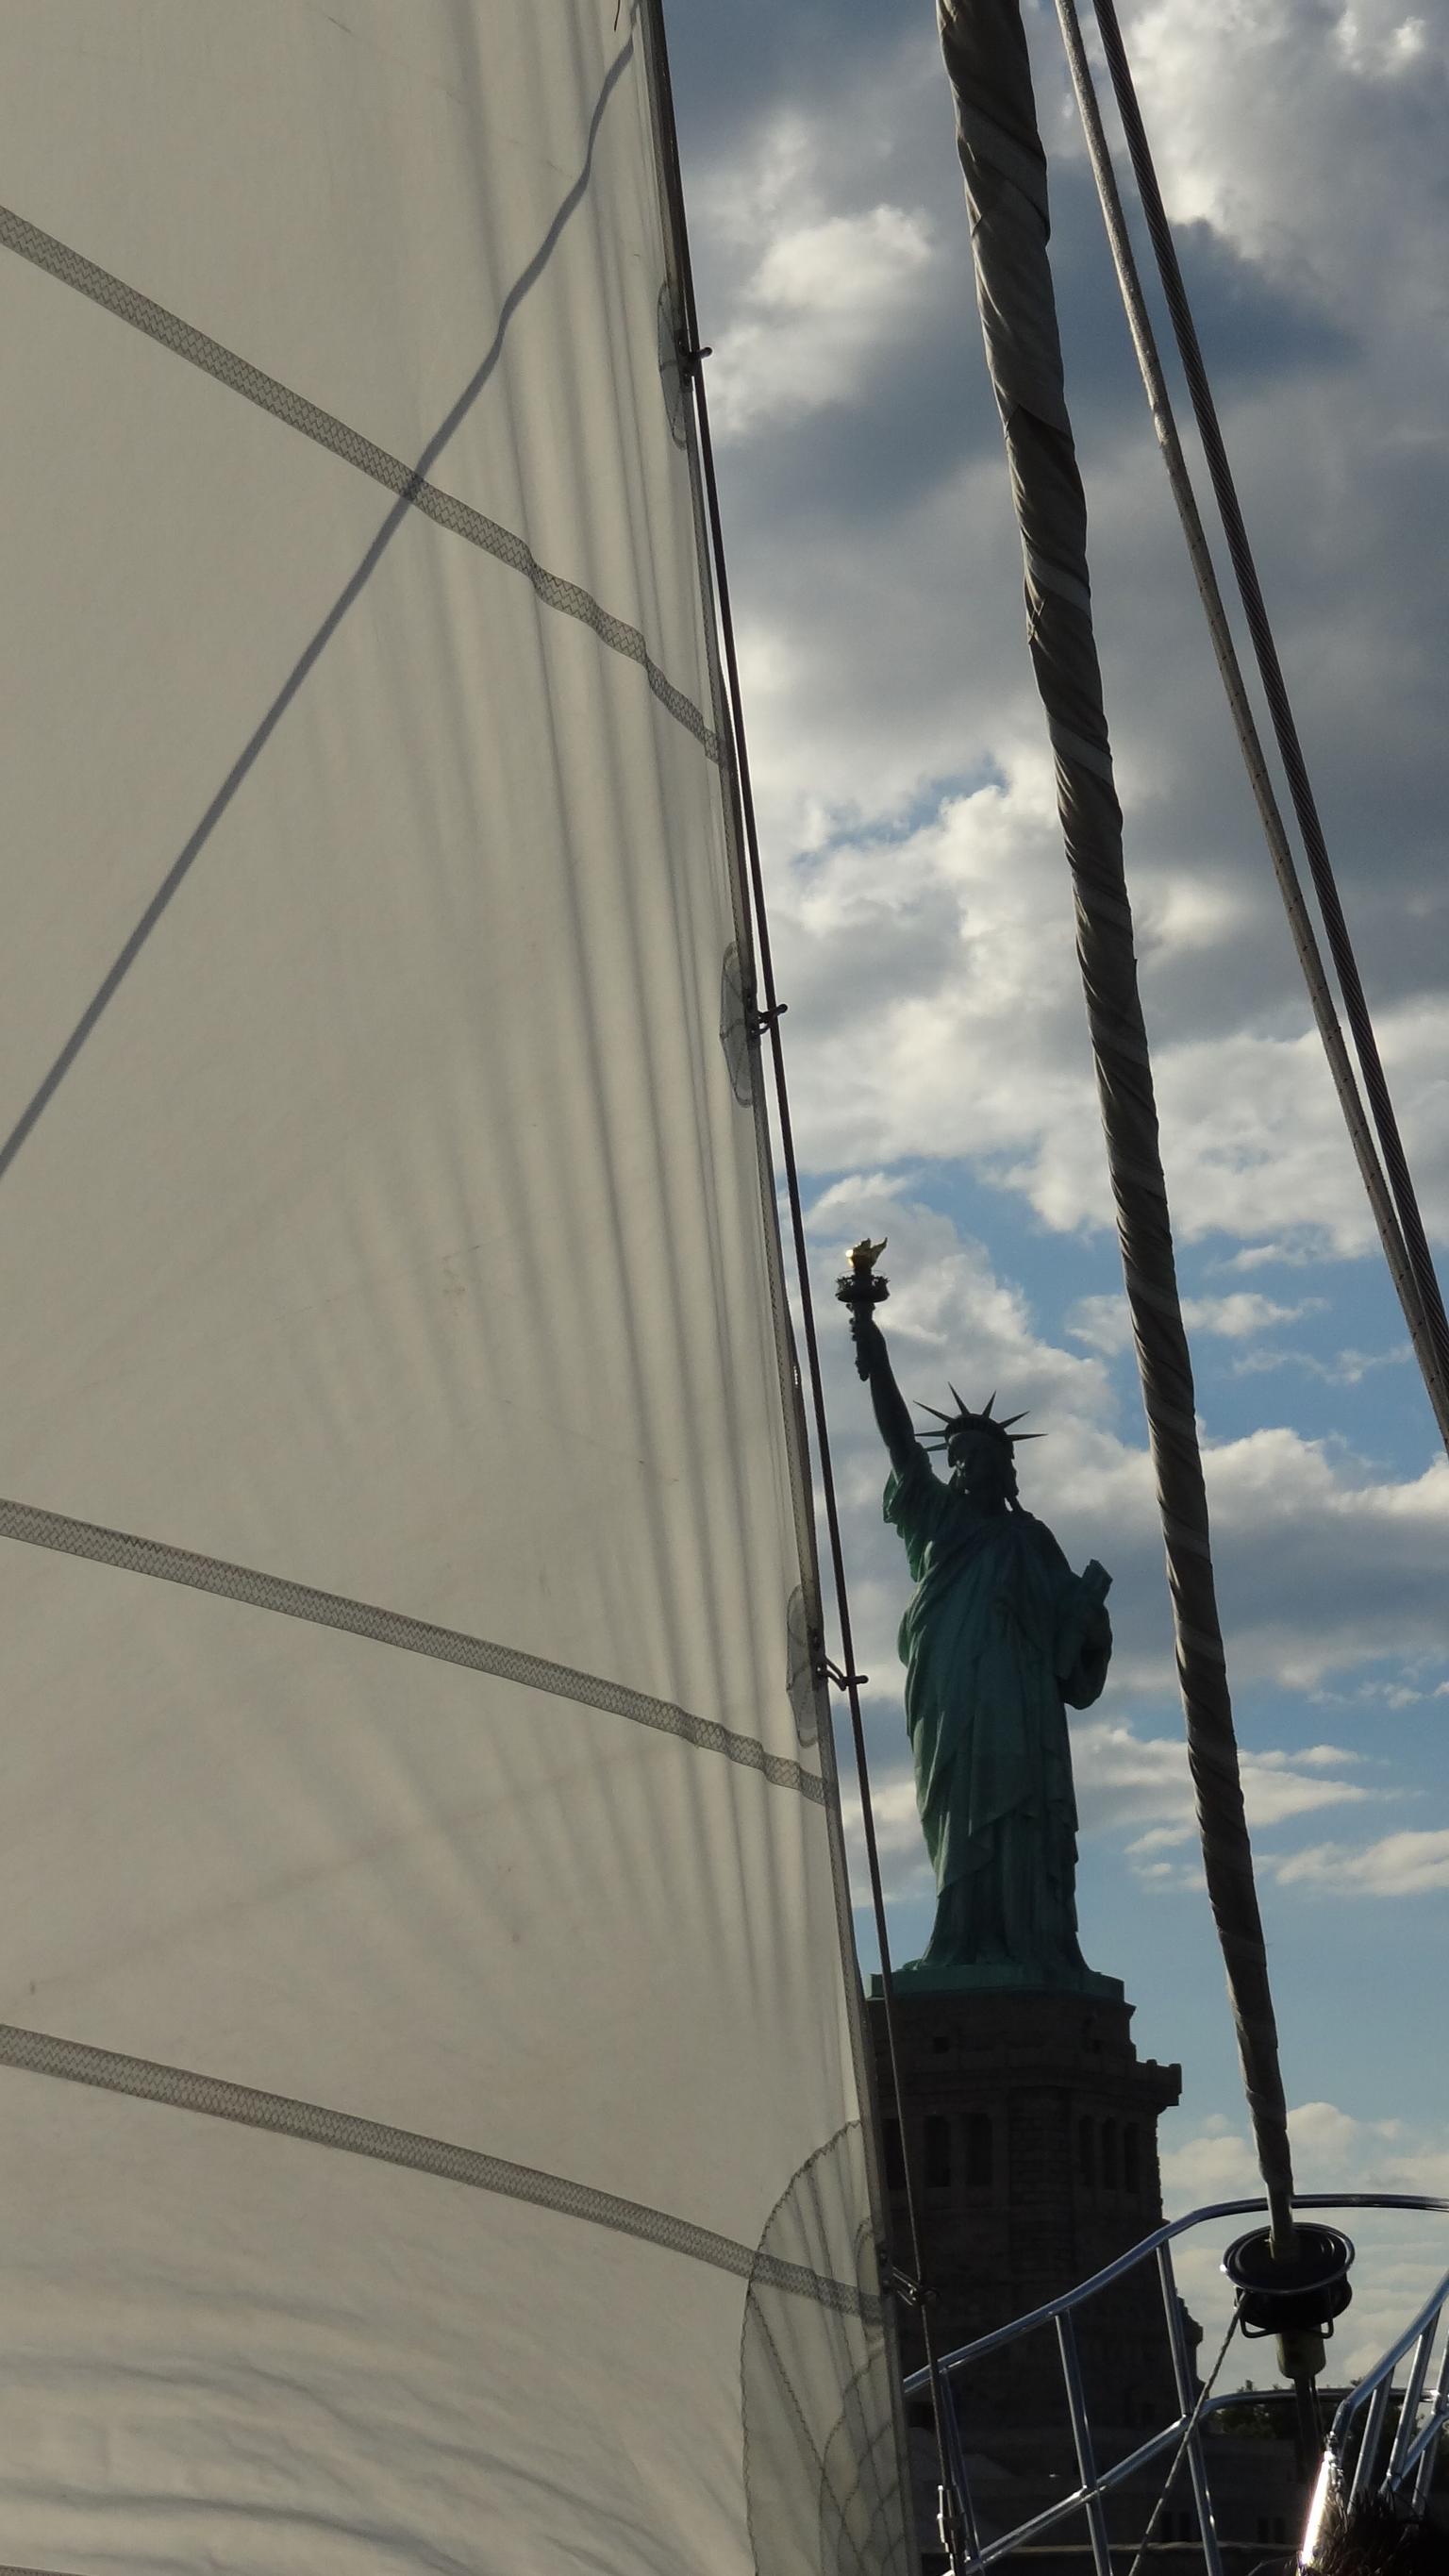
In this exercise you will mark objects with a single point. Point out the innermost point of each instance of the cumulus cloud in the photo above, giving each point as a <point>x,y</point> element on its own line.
<point>1104,1324</point>
<point>1344,1368</point>
<point>1304,1248</point>
<point>1401,2256</point>
<point>820,308</point>
<point>1291,1522</point>
<point>937,1010</point>
<point>905,1868</point>
<point>1405,1864</point>
<point>1215,88</point>
<point>1126,1779</point>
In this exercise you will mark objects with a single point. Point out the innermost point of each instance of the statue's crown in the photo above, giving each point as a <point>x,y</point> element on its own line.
<point>963,1419</point>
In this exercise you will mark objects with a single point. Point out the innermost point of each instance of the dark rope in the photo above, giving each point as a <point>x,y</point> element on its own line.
<point>1275,689</point>
<point>1300,924</point>
<point>1005,173</point>
<point>1188,2431</point>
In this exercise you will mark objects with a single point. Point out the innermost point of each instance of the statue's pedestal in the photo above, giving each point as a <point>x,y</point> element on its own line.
<point>993,1977</point>
<point>1032,2125</point>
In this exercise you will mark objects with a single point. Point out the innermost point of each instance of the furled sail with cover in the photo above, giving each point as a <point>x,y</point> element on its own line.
<point>431,2110</point>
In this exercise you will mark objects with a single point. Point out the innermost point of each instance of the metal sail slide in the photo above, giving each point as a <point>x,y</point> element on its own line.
<point>430,2089</point>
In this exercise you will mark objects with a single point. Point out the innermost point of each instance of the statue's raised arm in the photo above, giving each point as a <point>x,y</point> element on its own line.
<point>892,1414</point>
<point>860,1292</point>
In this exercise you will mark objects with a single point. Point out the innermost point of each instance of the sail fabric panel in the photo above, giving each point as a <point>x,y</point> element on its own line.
<point>374,198</point>
<point>384,1228</point>
<point>474,1191</point>
<point>248,1796</point>
<point>340,2394</point>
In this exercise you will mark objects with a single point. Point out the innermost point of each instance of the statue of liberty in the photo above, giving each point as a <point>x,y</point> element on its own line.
<point>999,1638</point>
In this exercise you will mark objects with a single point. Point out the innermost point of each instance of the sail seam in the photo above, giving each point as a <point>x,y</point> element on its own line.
<point>214,359</point>
<point>132,1555</point>
<point>179,2088</point>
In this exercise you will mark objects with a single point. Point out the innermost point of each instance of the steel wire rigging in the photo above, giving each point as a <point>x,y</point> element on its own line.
<point>1382,1198</point>
<point>1429,1328</point>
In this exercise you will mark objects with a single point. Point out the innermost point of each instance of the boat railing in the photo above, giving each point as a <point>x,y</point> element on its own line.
<point>1365,2423</point>
<point>1352,2453</point>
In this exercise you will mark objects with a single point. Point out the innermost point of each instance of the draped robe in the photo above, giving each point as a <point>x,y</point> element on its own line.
<point>999,1635</point>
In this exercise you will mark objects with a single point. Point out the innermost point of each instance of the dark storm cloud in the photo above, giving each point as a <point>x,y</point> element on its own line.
<point>867,85</point>
<point>729,64</point>
<point>927,406</point>
<point>1252,330</point>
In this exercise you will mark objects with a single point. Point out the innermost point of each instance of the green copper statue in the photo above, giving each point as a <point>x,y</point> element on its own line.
<point>998,1636</point>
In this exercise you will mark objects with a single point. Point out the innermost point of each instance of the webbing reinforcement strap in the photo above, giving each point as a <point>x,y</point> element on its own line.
<point>72,268</point>
<point>142,2079</point>
<point>132,1555</point>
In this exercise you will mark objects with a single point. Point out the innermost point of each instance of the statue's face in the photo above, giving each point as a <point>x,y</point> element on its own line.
<point>985,1467</point>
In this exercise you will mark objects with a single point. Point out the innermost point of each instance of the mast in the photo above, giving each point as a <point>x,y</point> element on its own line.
<point>1005,173</point>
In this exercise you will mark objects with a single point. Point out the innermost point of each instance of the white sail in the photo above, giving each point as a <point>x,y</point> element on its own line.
<point>431,2110</point>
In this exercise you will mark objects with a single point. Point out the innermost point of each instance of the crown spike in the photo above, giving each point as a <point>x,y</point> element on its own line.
<point>986,1408</point>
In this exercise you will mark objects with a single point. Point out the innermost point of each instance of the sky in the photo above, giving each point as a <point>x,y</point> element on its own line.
<point>936,1042</point>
